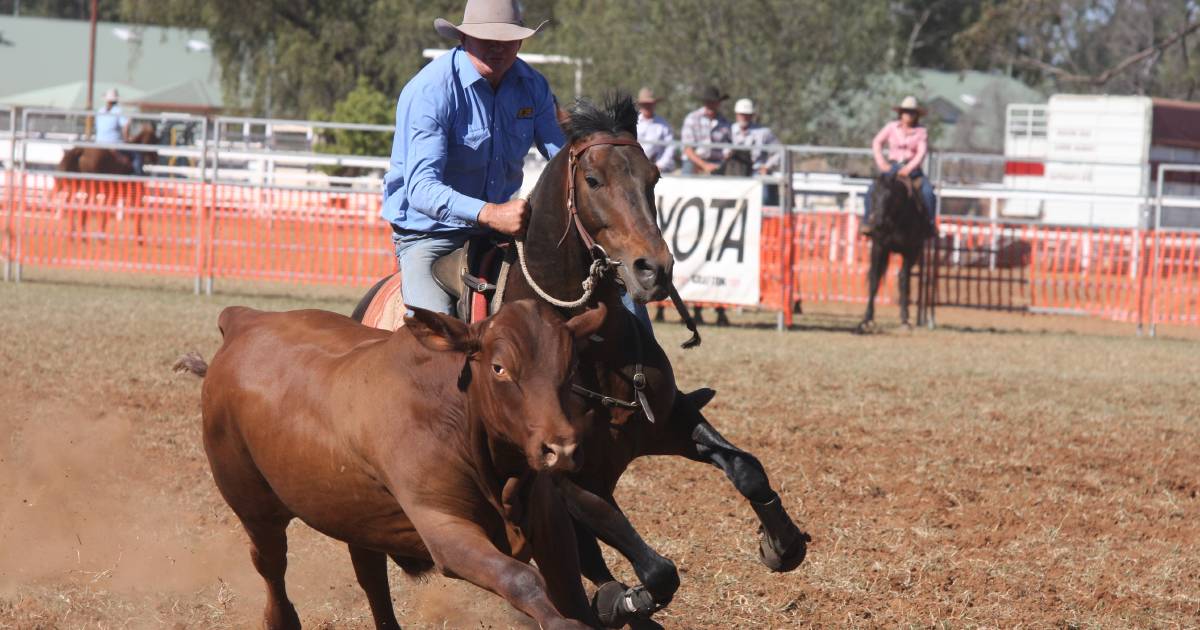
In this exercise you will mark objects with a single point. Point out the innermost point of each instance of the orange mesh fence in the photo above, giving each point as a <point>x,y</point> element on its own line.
<point>298,236</point>
<point>237,231</point>
<point>147,225</point>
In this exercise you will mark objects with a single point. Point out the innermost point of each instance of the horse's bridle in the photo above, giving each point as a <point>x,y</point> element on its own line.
<point>573,166</point>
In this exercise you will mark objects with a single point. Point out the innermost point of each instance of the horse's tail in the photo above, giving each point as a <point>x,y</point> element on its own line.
<point>191,362</point>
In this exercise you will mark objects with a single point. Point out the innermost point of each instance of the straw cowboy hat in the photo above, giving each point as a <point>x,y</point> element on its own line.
<point>744,106</point>
<point>111,95</point>
<point>646,95</point>
<point>910,104</point>
<point>498,20</point>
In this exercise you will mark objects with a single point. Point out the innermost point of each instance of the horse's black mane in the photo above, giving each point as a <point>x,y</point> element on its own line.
<point>616,116</point>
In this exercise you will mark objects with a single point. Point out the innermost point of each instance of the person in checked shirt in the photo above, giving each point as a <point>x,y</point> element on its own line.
<point>706,125</point>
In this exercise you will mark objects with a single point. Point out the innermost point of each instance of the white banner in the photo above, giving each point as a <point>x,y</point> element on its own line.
<point>712,225</point>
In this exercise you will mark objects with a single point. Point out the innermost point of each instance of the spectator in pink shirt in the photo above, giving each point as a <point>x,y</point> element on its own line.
<point>908,143</point>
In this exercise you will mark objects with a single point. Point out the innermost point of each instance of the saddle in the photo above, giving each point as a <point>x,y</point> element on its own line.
<point>474,275</point>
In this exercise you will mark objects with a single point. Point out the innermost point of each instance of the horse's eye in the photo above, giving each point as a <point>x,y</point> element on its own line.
<point>592,182</point>
<point>498,369</point>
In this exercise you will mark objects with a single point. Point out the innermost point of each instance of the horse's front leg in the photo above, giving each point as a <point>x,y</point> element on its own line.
<point>783,545</point>
<point>615,603</point>
<point>905,280</point>
<point>879,265</point>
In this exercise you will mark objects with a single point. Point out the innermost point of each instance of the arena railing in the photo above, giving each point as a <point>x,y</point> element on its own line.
<point>323,230</point>
<point>8,122</point>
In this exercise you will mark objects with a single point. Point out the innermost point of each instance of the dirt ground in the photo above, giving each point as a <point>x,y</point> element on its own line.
<point>1001,471</point>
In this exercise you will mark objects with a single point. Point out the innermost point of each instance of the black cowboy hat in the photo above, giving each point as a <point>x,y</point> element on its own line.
<point>711,93</point>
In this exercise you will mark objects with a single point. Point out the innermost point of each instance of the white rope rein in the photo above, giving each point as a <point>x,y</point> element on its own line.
<point>599,266</point>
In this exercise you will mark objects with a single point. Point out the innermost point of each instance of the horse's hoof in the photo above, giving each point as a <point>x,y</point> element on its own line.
<point>783,561</point>
<point>617,605</point>
<point>864,328</point>
<point>906,326</point>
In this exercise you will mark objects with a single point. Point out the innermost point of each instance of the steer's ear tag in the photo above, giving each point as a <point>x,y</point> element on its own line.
<point>597,338</point>
<point>525,112</point>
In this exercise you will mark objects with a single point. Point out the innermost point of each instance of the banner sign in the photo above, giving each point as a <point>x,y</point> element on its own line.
<point>712,226</point>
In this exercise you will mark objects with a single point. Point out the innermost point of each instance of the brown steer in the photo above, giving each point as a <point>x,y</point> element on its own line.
<point>398,444</point>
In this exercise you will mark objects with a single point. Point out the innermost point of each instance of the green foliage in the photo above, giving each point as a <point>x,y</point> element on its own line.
<point>366,105</point>
<point>821,71</point>
<point>107,10</point>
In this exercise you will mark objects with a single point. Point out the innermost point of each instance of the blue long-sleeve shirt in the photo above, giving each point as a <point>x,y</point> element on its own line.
<point>460,144</point>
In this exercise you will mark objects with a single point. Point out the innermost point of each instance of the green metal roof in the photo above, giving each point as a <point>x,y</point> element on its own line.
<point>971,106</point>
<point>45,62</point>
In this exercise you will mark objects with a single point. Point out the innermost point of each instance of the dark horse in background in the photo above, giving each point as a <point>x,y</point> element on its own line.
<point>102,161</point>
<point>625,382</point>
<point>902,228</point>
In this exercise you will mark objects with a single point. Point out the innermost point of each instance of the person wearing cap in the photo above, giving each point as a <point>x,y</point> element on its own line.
<point>654,133</point>
<point>747,132</point>
<point>464,124</point>
<point>112,127</point>
<point>908,143</point>
<point>705,125</point>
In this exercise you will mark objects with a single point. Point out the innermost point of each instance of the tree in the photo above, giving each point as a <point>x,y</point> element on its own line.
<point>108,10</point>
<point>364,104</point>
<point>1113,46</point>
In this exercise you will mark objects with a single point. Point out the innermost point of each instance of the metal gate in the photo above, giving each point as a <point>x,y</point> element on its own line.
<point>979,265</point>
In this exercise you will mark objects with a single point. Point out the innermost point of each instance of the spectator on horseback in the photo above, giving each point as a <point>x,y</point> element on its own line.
<point>653,129</point>
<point>747,132</point>
<point>464,124</point>
<point>908,143</point>
<point>112,127</point>
<point>706,125</point>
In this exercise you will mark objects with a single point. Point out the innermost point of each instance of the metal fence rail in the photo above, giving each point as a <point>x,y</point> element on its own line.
<point>202,218</point>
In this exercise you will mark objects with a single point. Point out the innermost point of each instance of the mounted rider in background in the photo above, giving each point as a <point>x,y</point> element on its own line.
<point>112,127</point>
<point>908,143</point>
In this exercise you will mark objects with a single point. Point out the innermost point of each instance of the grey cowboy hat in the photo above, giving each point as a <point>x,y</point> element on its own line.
<point>496,20</point>
<point>711,93</point>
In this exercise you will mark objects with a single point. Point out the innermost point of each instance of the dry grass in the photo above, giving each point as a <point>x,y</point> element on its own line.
<point>1001,472</point>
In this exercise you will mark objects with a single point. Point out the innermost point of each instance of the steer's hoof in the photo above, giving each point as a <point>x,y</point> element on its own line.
<point>787,559</point>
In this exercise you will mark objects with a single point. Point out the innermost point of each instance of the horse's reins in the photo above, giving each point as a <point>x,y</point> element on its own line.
<point>601,263</point>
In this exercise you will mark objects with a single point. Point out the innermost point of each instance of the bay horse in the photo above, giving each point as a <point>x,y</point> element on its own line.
<point>593,207</point>
<point>408,458</point>
<point>102,161</point>
<point>902,228</point>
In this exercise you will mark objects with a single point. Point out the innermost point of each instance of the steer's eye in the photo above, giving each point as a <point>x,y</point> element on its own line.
<point>499,369</point>
<point>592,182</point>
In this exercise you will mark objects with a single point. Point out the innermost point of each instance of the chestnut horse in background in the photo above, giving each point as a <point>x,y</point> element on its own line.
<point>101,161</point>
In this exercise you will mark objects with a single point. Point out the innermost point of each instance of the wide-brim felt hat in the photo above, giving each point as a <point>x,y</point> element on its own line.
<point>497,20</point>
<point>910,104</point>
<point>711,93</point>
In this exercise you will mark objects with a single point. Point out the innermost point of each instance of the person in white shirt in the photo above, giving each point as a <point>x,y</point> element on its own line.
<point>653,130</point>
<point>747,132</point>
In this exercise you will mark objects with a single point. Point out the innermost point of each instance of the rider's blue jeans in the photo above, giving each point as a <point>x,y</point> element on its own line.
<point>416,252</point>
<point>927,196</point>
<point>136,159</point>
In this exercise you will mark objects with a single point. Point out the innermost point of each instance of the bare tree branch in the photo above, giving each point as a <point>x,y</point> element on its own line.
<point>1106,76</point>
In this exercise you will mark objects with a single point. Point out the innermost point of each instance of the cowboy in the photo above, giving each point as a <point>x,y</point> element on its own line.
<point>112,127</point>
<point>706,125</point>
<point>464,124</point>
<point>907,143</point>
<point>746,132</point>
<point>654,133</point>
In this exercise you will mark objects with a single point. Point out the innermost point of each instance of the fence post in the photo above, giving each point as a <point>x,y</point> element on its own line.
<point>10,187</point>
<point>201,204</point>
<point>1154,262</point>
<point>787,204</point>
